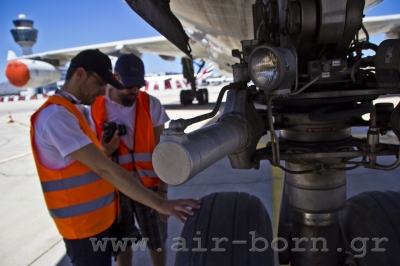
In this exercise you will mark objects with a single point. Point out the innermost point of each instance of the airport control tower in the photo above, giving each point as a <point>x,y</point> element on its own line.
<point>24,34</point>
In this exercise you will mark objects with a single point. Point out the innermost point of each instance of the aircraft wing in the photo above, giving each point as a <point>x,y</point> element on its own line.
<point>154,45</point>
<point>221,26</point>
<point>389,24</point>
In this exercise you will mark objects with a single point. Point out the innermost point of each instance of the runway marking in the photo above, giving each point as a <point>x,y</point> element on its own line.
<point>277,185</point>
<point>276,175</point>
<point>15,157</point>
<point>263,141</point>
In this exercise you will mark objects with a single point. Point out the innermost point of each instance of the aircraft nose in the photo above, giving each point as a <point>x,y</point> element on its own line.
<point>17,73</point>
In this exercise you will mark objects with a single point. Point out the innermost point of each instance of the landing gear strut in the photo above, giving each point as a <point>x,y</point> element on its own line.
<point>187,96</point>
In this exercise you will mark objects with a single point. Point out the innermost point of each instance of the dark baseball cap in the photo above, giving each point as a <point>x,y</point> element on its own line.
<point>131,70</point>
<point>96,61</point>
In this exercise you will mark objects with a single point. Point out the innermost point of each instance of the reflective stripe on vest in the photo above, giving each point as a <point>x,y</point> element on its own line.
<point>144,142</point>
<point>138,157</point>
<point>81,203</point>
<point>147,173</point>
<point>83,208</point>
<point>71,182</point>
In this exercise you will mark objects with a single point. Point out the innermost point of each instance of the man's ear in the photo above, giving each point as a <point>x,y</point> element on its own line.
<point>80,73</point>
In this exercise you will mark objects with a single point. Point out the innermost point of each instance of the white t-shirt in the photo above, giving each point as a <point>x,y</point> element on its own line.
<point>57,131</point>
<point>57,134</point>
<point>126,115</point>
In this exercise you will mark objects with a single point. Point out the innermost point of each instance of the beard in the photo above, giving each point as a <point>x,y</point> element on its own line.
<point>128,100</point>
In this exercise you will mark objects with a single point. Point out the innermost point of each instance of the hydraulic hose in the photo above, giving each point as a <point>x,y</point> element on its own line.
<point>182,124</point>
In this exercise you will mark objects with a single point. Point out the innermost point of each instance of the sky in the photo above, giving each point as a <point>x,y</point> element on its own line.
<point>71,23</point>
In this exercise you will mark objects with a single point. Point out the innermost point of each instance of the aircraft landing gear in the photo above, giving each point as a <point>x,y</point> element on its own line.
<point>186,97</point>
<point>202,96</point>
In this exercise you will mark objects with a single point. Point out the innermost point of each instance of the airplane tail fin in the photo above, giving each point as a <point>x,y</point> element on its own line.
<point>206,72</point>
<point>11,55</point>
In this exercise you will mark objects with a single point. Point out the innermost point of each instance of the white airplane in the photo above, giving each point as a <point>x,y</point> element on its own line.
<point>217,80</point>
<point>37,70</point>
<point>164,81</point>
<point>211,37</point>
<point>312,82</point>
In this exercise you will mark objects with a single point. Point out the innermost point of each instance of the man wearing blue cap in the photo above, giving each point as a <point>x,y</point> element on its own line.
<point>144,118</point>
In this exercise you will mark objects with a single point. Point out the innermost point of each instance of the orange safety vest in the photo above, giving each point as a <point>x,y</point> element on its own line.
<point>139,159</point>
<point>81,203</point>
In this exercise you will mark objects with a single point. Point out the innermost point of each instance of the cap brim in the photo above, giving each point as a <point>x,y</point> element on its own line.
<point>113,82</point>
<point>130,81</point>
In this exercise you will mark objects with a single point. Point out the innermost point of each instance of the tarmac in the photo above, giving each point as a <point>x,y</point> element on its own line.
<point>30,236</point>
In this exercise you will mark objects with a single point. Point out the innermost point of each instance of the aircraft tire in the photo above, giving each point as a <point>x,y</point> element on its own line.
<point>227,216</point>
<point>186,97</point>
<point>373,214</point>
<point>202,96</point>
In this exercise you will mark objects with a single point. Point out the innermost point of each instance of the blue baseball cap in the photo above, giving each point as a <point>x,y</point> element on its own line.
<point>131,70</point>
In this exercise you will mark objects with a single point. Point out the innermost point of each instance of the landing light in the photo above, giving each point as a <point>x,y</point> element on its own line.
<point>272,68</point>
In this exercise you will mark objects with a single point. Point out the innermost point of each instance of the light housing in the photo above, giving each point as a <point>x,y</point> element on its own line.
<point>272,68</point>
<point>387,63</point>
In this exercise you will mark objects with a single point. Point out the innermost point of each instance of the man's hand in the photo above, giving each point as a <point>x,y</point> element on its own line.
<point>178,208</point>
<point>91,156</point>
<point>109,148</point>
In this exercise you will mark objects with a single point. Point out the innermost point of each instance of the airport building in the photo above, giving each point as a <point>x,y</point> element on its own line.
<point>24,34</point>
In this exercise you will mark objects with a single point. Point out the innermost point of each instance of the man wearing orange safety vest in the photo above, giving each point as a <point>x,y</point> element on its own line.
<point>80,184</point>
<point>143,117</point>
